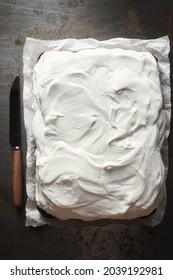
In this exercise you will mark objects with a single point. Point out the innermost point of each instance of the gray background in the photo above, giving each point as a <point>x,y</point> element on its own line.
<point>57,19</point>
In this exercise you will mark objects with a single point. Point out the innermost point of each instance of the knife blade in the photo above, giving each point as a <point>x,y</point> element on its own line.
<point>15,140</point>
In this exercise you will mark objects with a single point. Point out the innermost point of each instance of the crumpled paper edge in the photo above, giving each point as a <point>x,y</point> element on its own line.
<point>159,47</point>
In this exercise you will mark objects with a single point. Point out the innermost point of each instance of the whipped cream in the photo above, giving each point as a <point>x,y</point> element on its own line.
<point>99,126</point>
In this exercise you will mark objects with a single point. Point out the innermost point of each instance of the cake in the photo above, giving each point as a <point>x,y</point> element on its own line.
<point>98,126</point>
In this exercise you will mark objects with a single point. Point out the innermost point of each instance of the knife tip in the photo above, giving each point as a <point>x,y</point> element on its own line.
<point>17,77</point>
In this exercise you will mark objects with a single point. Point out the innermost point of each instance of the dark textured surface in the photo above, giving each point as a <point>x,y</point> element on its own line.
<point>57,19</point>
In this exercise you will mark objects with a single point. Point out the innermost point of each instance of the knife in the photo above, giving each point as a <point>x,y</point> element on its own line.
<point>15,141</point>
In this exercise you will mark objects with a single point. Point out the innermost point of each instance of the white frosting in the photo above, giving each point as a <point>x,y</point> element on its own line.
<point>99,126</point>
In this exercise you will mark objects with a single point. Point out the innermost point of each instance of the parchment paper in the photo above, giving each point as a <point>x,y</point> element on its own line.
<point>32,49</point>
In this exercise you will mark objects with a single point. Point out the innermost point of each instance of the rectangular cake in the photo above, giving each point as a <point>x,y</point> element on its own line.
<point>99,125</point>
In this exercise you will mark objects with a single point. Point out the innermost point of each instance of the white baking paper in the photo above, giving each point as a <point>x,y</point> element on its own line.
<point>33,48</point>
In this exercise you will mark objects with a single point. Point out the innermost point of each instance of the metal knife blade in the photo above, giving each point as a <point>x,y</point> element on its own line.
<point>15,140</point>
<point>15,129</point>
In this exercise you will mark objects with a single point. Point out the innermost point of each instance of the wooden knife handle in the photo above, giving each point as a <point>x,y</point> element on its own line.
<point>17,178</point>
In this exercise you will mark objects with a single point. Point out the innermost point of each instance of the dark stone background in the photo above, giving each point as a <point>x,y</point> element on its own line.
<point>57,19</point>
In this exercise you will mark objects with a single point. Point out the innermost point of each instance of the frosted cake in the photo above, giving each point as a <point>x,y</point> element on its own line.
<point>99,127</point>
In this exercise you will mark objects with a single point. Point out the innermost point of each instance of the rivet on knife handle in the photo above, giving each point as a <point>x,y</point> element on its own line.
<point>17,177</point>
